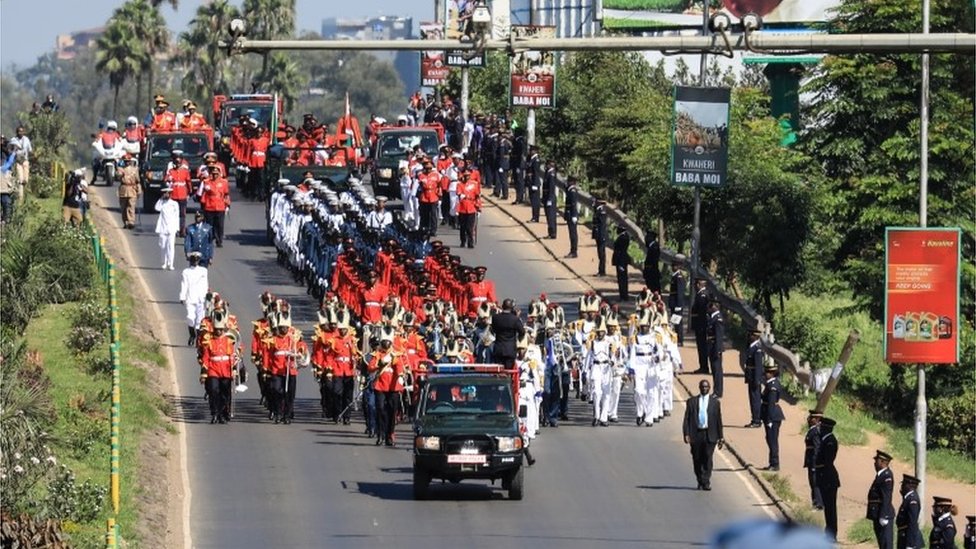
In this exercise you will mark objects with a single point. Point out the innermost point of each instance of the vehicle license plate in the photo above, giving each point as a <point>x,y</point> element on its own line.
<point>466,458</point>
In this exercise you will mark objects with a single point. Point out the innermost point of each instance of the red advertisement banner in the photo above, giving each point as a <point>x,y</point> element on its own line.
<point>922,295</point>
<point>433,64</point>
<point>533,73</point>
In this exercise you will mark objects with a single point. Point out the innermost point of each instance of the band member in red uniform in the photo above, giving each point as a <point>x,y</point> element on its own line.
<point>479,291</point>
<point>373,297</point>
<point>387,366</point>
<point>345,353</point>
<point>259,352</point>
<point>288,351</point>
<point>217,364</point>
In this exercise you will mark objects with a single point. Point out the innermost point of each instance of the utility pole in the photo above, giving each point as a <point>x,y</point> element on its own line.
<point>921,407</point>
<point>464,93</point>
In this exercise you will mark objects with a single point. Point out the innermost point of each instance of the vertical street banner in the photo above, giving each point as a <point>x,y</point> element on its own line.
<point>433,65</point>
<point>922,295</point>
<point>533,73</point>
<point>459,27</point>
<point>700,136</point>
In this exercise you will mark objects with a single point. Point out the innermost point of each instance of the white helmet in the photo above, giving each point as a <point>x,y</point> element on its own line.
<point>112,125</point>
<point>131,120</point>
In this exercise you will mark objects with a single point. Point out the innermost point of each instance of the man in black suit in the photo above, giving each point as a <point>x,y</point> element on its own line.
<point>621,260</point>
<point>880,511</point>
<point>753,370</point>
<point>676,299</point>
<point>507,329</point>
<point>827,478</point>
<point>571,214</point>
<point>703,431</point>
<point>549,199</point>
<point>652,261</point>
<point>771,414</point>
<point>715,336</point>
<point>699,324</point>
<point>600,236</point>
<point>909,534</point>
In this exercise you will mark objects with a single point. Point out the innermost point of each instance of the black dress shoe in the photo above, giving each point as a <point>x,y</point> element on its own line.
<point>604,424</point>
<point>613,420</point>
<point>378,442</point>
<point>751,425</point>
<point>570,256</point>
<point>594,423</point>
<point>564,417</point>
<point>213,419</point>
<point>707,487</point>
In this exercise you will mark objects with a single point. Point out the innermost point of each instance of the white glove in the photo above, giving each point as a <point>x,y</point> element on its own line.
<point>883,522</point>
<point>575,220</point>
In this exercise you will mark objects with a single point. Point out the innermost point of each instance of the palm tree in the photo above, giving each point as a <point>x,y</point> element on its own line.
<point>144,20</point>
<point>116,57</point>
<point>269,20</point>
<point>199,51</point>
<point>284,78</point>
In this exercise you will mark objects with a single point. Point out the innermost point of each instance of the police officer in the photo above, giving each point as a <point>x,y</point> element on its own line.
<point>652,260</point>
<point>715,335</point>
<point>880,511</point>
<point>753,369</point>
<point>600,236</point>
<point>943,535</point>
<point>812,448</point>
<point>699,324</point>
<point>533,175</point>
<point>909,535</point>
<point>827,478</point>
<point>771,414</point>
<point>676,299</point>
<point>549,199</point>
<point>571,214</point>
<point>969,537</point>
<point>621,261</point>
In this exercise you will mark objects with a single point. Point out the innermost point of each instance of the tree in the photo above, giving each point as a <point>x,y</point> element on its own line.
<point>115,58</point>
<point>144,21</point>
<point>199,53</point>
<point>282,77</point>
<point>864,133</point>
<point>268,20</point>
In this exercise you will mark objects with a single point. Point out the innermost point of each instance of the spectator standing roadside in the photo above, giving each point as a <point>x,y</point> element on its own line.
<point>620,261</point>
<point>7,186</point>
<point>129,191</point>
<point>22,160</point>
<point>74,198</point>
<point>652,261</point>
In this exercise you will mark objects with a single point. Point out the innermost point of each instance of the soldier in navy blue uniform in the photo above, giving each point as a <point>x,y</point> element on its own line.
<point>533,176</point>
<point>715,335</point>
<point>909,535</point>
<point>943,535</point>
<point>199,238</point>
<point>620,261</point>
<point>549,199</point>
<point>600,236</point>
<point>503,155</point>
<point>880,510</point>
<point>518,166</point>
<point>699,324</point>
<point>652,260</point>
<point>827,478</point>
<point>753,370</point>
<point>571,213</point>
<point>812,448</point>
<point>676,299</point>
<point>969,537</point>
<point>771,414</point>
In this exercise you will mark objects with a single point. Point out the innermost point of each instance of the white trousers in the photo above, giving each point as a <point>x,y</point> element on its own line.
<point>527,399</point>
<point>615,384</point>
<point>167,244</point>
<point>194,313</point>
<point>601,380</point>
<point>667,387</point>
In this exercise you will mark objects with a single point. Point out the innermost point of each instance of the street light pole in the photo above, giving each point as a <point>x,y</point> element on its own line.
<point>696,229</point>
<point>921,407</point>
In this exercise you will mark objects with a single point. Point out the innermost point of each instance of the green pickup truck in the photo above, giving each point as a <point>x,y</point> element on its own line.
<point>467,428</point>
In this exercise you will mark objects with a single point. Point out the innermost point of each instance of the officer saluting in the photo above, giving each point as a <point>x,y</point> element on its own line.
<point>909,535</point>
<point>880,510</point>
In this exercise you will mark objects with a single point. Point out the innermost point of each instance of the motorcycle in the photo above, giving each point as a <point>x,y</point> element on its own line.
<point>108,158</point>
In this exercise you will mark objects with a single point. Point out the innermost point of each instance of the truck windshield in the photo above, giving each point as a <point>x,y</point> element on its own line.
<point>259,111</point>
<point>469,398</point>
<point>191,146</point>
<point>399,144</point>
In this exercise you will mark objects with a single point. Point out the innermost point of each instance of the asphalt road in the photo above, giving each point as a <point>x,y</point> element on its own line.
<point>315,484</point>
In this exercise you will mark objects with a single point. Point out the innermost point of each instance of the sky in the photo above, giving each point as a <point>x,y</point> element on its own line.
<point>28,28</point>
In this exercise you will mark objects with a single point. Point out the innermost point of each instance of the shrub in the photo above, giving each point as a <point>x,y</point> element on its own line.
<point>82,340</point>
<point>83,433</point>
<point>92,314</point>
<point>26,531</point>
<point>68,500</point>
<point>98,365</point>
<point>950,423</point>
<point>44,186</point>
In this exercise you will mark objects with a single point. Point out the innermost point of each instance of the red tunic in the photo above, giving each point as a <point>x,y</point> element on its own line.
<point>280,349</point>
<point>218,357</point>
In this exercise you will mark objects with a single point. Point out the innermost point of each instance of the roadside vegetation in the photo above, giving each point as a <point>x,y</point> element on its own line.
<point>55,376</point>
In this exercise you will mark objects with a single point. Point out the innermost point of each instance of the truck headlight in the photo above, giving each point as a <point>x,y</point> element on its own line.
<point>428,443</point>
<point>509,444</point>
<point>156,175</point>
<point>385,172</point>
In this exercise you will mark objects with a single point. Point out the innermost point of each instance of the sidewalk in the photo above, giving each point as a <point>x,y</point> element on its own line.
<point>854,464</point>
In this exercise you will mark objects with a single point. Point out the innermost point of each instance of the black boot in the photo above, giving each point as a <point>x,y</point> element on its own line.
<point>193,336</point>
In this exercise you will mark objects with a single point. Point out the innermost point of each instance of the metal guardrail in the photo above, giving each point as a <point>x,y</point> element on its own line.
<point>786,358</point>
<point>106,271</point>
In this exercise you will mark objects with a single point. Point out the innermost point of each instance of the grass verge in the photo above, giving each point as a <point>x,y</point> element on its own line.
<point>802,513</point>
<point>82,401</point>
<point>861,532</point>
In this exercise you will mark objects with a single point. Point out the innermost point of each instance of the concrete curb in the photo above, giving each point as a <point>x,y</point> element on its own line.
<point>783,507</point>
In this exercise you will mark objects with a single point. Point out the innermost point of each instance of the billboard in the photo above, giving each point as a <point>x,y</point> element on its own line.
<point>533,73</point>
<point>433,64</point>
<point>646,14</point>
<point>921,295</point>
<point>700,136</point>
